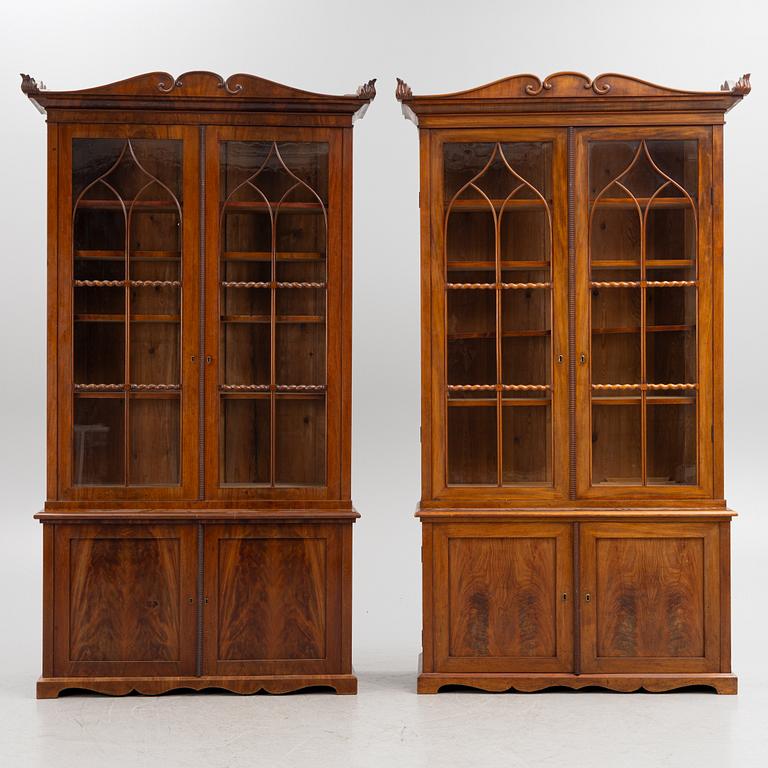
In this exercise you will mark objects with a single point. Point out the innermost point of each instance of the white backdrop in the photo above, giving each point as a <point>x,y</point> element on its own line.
<point>333,47</point>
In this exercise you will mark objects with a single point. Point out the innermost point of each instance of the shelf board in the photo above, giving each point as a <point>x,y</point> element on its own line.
<point>138,205</point>
<point>469,266</point>
<point>637,399</point>
<point>267,319</point>
<point>256,205</point>
<point>649,329</point>
<point>532,203</point>
<point>628,202</point>
<point>492,334</point>
<point>649,264</point>
<point>87,255</point>
<point>506,402</point>
<point>120,318</point>
<point>267,256</point>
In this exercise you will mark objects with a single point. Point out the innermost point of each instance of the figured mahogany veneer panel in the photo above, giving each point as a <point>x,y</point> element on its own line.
<point>502,595</point>
<point>269,604</point>
<point>650,597</point>
<point>125,599</point>
<point>272,598</point>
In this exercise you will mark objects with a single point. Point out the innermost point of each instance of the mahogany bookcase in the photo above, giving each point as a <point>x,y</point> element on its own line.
<point>575,531</point>
<point>198,523</point>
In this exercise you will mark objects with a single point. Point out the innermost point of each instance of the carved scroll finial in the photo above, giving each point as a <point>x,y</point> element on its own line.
<point>403,90</point>
<point>740,88</point>
<point>367,90</point>
<point>29,85</point>
<point>539,86</point>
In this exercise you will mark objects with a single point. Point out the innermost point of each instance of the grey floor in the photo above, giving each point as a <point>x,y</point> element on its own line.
<point>387,724</point>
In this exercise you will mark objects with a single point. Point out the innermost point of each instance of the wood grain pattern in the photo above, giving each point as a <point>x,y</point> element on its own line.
<point>272,597</point>
<point>503,594</point>
<point>650,597</point>
<point>124,599</point>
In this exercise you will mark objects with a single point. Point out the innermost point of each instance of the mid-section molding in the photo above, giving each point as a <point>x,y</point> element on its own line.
<point>569,91</point>
<point>199,91</point>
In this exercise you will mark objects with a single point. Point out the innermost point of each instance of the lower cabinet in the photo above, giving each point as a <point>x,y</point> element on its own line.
<point>158,606</point>
<point>619,604</point>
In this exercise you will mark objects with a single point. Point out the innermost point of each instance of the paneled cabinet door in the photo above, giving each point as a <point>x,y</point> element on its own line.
<point>644,313</point>
<point>124,600</point>
<point>273,601</point>
<point>503,597</point>
<point>127,250</point>
<point>650,597</point>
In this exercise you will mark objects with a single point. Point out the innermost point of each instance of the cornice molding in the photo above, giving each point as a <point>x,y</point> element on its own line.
<point>569,92</point>
<point>199,91</point>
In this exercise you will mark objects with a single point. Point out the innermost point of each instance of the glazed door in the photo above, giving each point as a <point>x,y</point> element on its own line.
<point>273,343</point>
<point>650,597</point>
<point>125,600</point>
<point>503,597</point>
<point>644,313</point>
<point>127,312</point>
<point>498,282</point>
<point>272,597</point>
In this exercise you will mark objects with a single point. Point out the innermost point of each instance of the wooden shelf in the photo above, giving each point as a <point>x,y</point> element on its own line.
<point>534,203</point>
<point>649,264</point>
<point>267,319</point>
<point>507,402</point>
<point>267,256</point>
<point>138,205</point>
<point>628,202</point>
<point>637,399</point>
<point>491,265</point>
<point>248,205</point>
<point>120,318</point>
<point>649,329</point>
<point>492,334</point>
<point>87,255</point>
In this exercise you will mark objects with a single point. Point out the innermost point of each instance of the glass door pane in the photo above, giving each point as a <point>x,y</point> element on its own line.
<point>127,214</point>
<point>274,208</point>
<point>644,285</point>
<point>498,262</point>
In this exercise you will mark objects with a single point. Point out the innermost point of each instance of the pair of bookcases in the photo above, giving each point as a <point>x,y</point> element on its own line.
<point>198,522</point>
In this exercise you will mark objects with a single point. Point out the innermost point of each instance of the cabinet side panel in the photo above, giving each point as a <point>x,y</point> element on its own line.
<point>717,311</point>
<point>428,596</point>
<point>52,347</point>
<point>49,555</point>
<point>725,597</point>
<point>345,323</point>
<point>426,314</point>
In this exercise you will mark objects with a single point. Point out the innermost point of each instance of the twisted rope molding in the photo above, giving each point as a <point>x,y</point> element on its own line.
<point>130,283</point>
<point>127,387</point>
<point>270,388</point>
<point>503,286</point>
<point>644,386</point>
<point>644,284</point>
<point>498,387</point>
<point>279,284</point>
